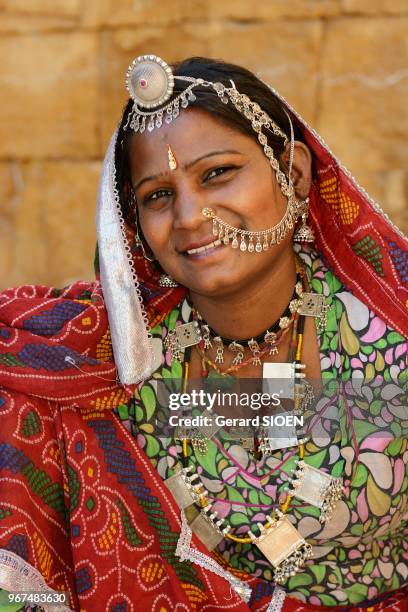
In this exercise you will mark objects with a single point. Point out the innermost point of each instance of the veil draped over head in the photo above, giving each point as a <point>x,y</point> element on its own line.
<point>358,241</point>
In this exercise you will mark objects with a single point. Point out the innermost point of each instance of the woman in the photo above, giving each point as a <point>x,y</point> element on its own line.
<point>206,185</point>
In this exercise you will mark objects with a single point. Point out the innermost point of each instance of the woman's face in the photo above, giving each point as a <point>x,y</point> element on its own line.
<point>217,167</point>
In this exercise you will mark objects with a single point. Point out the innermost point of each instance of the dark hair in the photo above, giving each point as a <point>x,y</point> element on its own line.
<point>207,99</point>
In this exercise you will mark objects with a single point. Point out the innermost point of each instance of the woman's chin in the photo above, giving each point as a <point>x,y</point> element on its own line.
<point>212,285</point>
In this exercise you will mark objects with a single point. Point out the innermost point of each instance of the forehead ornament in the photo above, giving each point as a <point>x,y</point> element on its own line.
<point>171,158</point>
<point>150,83</point>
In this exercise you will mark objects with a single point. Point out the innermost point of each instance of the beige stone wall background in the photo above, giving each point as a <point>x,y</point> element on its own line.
<point>341,63</point>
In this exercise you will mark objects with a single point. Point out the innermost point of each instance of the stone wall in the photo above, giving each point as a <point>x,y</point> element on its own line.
<point>341,63</point>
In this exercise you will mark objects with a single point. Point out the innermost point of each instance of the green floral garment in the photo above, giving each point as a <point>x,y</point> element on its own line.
<point>363,549</point>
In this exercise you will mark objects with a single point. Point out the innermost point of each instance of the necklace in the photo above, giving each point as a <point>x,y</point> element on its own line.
<point>192,333</point>
<point>237,347</point>
<point>279,541</point>
<point>239,362</point>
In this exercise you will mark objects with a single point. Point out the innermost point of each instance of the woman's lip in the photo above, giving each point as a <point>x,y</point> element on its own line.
<point>198,248</point>
<point>203,253</point>
<point>198,244</point>
<point>206,247</point>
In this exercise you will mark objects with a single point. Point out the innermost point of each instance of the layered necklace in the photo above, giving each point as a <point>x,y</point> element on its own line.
<point>199,332</point>
<point>278,540</point>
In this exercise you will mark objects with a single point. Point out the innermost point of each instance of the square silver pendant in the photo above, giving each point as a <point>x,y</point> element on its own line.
<point>275,437</point>
<point>179,490</point>
<point>279,542</point>
<point>279,378</point>
<point>317,488</point>
<point>311,485</point>
<point>203,528</point>
<point>284,548</point>
<point>312,305</point>
<point>187,334</point>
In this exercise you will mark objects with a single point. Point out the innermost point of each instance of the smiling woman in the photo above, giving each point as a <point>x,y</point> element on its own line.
<point>235,253</point>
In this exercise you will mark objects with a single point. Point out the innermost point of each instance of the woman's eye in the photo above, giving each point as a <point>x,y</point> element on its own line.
<point>219,171</point>
<point>157,195</point>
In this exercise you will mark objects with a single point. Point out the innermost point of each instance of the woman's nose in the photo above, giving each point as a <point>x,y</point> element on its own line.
<point>187,210</point>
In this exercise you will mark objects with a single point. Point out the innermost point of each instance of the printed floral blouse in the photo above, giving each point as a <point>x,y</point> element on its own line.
<point>363,550</point>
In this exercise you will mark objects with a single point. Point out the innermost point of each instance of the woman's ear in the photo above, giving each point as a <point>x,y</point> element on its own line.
<point>301,168</point>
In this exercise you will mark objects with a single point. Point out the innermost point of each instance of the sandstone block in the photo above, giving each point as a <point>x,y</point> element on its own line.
<point>288,62</point>
<point>50,85</point>
<point>375,7</point>
<point>32,16</point>
<point>56,8</point>
<point>142,12</point>
<point>47,233</point>
<point>364,96</point>
<point>244,10</point>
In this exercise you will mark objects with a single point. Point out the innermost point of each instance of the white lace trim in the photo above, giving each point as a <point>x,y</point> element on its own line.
<point>16,575</point>
<point>277,601</point>
<point>185,551</point>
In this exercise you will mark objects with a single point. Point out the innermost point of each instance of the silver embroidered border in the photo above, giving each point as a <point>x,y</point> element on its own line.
<point>131,340</point>
<point>277,601</point>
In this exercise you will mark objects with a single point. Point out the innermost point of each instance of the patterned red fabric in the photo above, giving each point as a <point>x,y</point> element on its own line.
<point>55,344</point>
<point>363,249</point>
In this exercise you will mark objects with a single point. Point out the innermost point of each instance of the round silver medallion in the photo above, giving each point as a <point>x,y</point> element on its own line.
<point>149,81</point>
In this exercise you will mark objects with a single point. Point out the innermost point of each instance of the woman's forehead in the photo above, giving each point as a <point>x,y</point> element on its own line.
<point>191,135</point>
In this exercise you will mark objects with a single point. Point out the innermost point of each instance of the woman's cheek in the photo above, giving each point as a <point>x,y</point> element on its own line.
<point>157,234</point>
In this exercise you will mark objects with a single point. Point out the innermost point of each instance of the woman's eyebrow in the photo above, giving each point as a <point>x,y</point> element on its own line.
<point>187,166</point>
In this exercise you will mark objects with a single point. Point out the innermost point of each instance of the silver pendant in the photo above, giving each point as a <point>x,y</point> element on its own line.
<point>220,350</point>
<point>270,338</point>
<point>204,529</point>
<point>178,488</point>
<point>275,438</point>
<point>198,441</point>
<point>206,336</point>
<point>238,350</point>
<point>314,305</point>
<point>255,350</point>
<point>183,336</point>
<point>316,488</point>
<point>284,547</point>
<point>279,378</point>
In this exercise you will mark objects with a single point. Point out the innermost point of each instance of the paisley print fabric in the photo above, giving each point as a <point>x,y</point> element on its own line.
<point>363,550</point>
